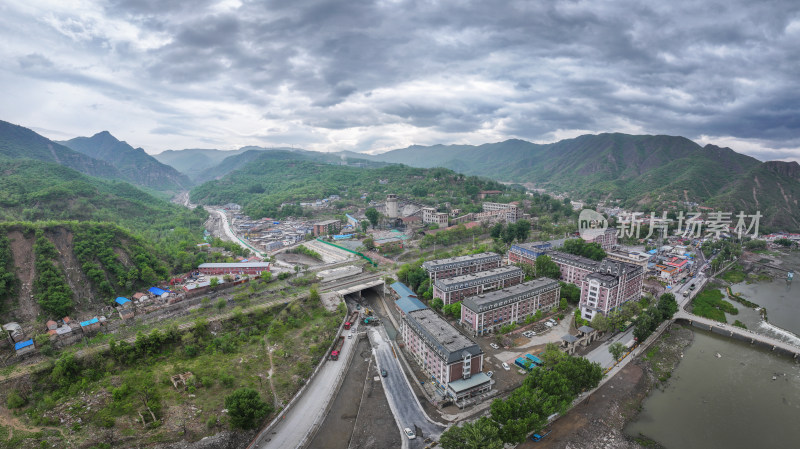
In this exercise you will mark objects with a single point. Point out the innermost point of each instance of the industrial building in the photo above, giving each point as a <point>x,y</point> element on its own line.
<point>611,285</point>
<point>454,289</point>
<point>457,266</point>
<point>391,206</point>
<point>454,362</point>
<point>430,215</point>
<point>488,312</point>
<point>219,269</point>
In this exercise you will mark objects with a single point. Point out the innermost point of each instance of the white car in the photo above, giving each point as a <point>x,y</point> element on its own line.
<point>409,433</point>
<point>505,366</point>
<point>548,324</point>
<point>494,345</point>
<point>490,373</point>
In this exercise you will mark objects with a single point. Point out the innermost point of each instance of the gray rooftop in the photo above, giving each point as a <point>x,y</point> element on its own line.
<point>491,300</point>
<point>586,329</point>
<point>326,222</point>
<point>235,265</point>
<point>478,278</point>
<point>442,264</point>
<point>569,338</point>
<point>446,341</point>
<point>572,259</point>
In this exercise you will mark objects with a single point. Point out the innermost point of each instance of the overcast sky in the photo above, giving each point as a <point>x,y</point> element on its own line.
<point>374,75</point>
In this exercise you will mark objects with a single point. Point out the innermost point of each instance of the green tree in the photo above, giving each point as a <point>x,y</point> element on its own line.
<point>667,305</point>
<point>246,409</point>
<point>373,216</point>
<point>364,225</point>
<point>313,295</point>
<point>266,276</point>
<point>545,267</point>
<point>570,291</point>
<point>562,304</point>
<point>437,304</point>
<point>522,229</point>
<point>601,323</point>
<point>496,231</point>
<point>214,281</point>
<point>481,434</point>
<point>616,350</point>
<point>369,243</point>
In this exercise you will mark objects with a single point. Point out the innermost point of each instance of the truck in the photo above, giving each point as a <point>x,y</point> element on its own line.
<point>352,320</point>
<point>337,349</point>
<point>538,437</point>
<point>371,320</point>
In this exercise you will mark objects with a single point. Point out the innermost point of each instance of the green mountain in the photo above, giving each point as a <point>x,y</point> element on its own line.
<point>641,171</point>
<point>193,162</point>
<point>266,185</point>
<point>17,142</point>
<point>136,166</point>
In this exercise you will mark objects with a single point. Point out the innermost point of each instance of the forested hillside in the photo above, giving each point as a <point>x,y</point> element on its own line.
<point>17,142</point>
<point>193,162</point>
<point>57,268</point>
<point>645,172</point>
<point>136,166</point>
<point>278,177</point>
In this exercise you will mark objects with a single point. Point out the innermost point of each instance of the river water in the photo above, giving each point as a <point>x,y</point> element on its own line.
<point>732,401</point>
<point>725,402</point>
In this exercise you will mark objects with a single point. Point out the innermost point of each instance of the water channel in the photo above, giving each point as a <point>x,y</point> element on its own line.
<point>745,397</point>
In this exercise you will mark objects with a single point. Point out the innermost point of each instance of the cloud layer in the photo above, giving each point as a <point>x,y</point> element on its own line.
<point>372,75</point>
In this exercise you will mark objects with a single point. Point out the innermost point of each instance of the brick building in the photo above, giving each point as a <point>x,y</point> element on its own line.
<point>454,362</point>
<point>220,269</point>
<point>327,227</point>
<point>607,240</point>
<point>573,268</point>
<point>455,289</point>
<point>527,252</point>
<point>457,266</point>
<point>488,312</point>
<point>611,285</point>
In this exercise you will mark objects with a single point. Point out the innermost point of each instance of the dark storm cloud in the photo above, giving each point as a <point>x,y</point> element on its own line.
<point>461,71</point>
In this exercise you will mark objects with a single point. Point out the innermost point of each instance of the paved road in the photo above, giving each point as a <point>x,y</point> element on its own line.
<point>227,228</point>
<point>309,409</point>
<point>404,403</point>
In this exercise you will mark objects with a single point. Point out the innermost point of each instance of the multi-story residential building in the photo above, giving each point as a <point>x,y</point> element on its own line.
<point>631,257</point>
<point>573,268</point>
<point>488,312</point>
<point>454,362</point>
<point>430,215</point>
<point>457,266</point>
<point>327,227</point>
<point>611,285</point>
<point>249,268</point>
<point>511,212</point>
<point>607,239</point>
<point>527,252</point>
<point>451,290</point>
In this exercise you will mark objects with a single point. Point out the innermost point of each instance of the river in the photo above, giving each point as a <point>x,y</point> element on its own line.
<point>727,402</point>
<point>732,401</point>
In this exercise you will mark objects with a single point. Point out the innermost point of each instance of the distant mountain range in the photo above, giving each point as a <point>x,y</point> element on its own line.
<point>654,171</point>
<point>194,162</point>
<point>134,164</point>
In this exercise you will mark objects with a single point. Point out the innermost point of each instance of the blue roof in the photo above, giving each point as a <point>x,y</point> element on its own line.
<point>120,300</point>
<point>534,359</point>
<point>652,251</point>
<point>156,291</point>
<point>402,290</point>
<point>92,321</point>
<point>410,304</point>
<point>23,344</point>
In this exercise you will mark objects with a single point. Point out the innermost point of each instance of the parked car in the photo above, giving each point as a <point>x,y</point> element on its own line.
<point>494,345</point>
<point>409,433</point>
<point>505,366</point>
<point>548,324</point>
<point>553,321</point>
<point>490,373</point>
<point>384,373</point>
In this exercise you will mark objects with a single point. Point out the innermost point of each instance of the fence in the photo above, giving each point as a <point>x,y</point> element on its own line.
<point>374,264</point>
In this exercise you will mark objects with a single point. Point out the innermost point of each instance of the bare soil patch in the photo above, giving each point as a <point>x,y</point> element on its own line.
<point>76,279</point>
<point>22,251</point>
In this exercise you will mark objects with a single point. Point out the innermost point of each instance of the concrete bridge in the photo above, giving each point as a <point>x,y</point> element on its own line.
<point>738,333</point>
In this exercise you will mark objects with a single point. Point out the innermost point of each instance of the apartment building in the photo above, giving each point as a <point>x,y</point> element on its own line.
<point>573,268</point>
<point>527,252</point>
<point>607,240</point>
<point>454,289</point>
<point>457,266</point>
<point>486,313</point>
<point>511,212</point>
<point>612,284</point>
<point>454,362</point>
<point>430,215</point>
<point>631,257</point>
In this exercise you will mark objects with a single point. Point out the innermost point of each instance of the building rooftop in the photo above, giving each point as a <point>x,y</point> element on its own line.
<point>586,329</point>
<point>120,300</point>
<point>156,291</point>
<point>409,304</point>
<point>532,245</point>
<point>514,293</point>
<point>569,338</point>
<point>479,277</point>
<point>444,338</point>
<point>235,265</point>
<point>402,289</point>
<point>23,344</point>
<point>89,322</point>
<point>433,265</point>
<point>326,222</point>
<point>465,384</point>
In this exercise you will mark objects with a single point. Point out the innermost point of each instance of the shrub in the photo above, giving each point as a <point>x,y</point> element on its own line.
<point>15,400</point>
<point>246,408</point>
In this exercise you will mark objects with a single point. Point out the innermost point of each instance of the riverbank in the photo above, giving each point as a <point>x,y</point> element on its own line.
<point>598,421</point>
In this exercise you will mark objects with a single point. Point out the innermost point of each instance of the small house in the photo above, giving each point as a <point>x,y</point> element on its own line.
<point>14,332</point>
<point>90,325</point>
<point>124,308</point>
<point>158,293</point>
<point>139,296</point>
<point>24,347</point>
